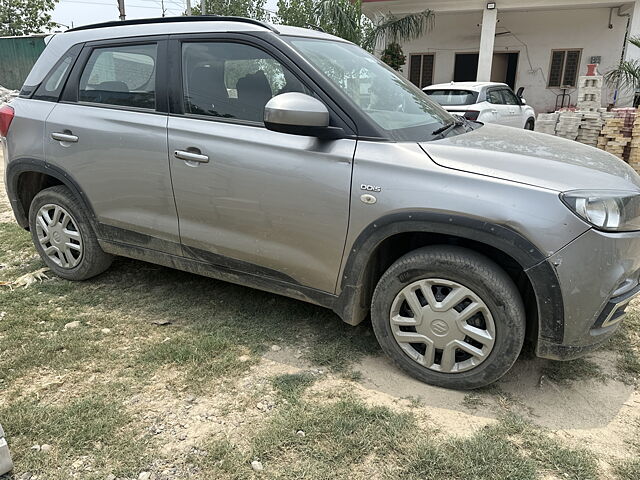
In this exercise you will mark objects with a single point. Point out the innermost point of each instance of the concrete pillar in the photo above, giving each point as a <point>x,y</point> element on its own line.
<point>631,52</point>
<point>487,38</point>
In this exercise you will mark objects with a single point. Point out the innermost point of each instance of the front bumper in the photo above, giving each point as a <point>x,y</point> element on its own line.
<point>598,275</point>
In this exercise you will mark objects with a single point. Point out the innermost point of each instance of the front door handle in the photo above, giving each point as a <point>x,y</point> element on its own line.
<point>64,137</point>
<point>191,156</point>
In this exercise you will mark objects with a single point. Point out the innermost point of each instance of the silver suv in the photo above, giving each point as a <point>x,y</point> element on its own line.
<point>292,161</point>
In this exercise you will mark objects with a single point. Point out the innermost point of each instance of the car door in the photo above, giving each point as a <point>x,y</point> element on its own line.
<point>516,111</point>
<point>109,133</point>
<point>252,200</point>
<point>498,108</point>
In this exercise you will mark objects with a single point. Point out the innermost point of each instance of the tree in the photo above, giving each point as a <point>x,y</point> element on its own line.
<point>627,74</point>
<point>235,8</point>
<point>344,18</point>
<point>297,13</point>
<point>24,17</point>
<point>393,56</point>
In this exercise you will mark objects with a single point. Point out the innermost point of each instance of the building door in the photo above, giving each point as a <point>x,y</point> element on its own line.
<point>503,68</point>
<point>466,67</point>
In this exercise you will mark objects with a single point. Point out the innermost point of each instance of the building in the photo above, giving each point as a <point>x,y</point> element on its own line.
<point>541,45</point>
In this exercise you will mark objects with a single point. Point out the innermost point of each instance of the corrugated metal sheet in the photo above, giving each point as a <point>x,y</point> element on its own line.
<point>17,56</point>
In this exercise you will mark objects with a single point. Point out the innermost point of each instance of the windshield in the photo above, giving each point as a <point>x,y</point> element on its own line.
<point>453,97</point>
<point>391,101</point>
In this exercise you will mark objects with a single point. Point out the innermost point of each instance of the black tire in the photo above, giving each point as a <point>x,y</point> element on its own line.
<point>530,125</point>
<point>93,260</point>
<point>474,271</point>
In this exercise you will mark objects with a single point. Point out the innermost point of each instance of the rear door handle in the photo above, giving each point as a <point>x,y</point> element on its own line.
<point>191,156</point>
<point>64,137</point>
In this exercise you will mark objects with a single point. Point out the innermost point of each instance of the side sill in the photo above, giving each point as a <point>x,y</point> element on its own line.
<point>276,286</point>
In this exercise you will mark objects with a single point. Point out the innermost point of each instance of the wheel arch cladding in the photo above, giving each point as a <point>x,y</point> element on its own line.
<point>388,238</point>
<point>27,177</point>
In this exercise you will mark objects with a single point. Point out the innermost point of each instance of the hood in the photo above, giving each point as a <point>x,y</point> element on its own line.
<point>532,158</point>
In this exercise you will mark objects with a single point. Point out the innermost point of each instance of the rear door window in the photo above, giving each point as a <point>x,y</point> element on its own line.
<point>122,75</point>
<point>448,97</point>
<point>509,97</point>
<point>494,96</point>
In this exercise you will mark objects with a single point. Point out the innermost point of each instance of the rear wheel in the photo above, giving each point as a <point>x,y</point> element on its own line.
<point>530,125</point>
<point>63,236</point>
<point>449,317</point>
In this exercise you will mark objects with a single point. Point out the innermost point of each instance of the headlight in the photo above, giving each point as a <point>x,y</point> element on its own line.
<point>610,210</point>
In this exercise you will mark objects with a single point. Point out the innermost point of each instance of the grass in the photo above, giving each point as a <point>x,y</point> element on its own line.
<point>88,425</point>
<point>628,470</point>
<point>337,437</point>
<point>347,438</point>
<point>213,324</point>
<point>292,386</point>
<point>626,343</point>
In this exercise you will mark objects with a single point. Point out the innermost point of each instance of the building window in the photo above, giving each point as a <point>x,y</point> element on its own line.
<point>564,68</point>
<point>421,70</point>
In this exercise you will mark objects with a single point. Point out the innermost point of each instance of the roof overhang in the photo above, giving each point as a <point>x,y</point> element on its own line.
<point>373,7</point>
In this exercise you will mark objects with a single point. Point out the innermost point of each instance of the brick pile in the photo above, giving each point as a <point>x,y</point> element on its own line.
<point>568,125</point>
<point>616,133</point>
<point>612,139</point>
<point>634,145</point>
<point>590,128</point>
<point>546,123</point>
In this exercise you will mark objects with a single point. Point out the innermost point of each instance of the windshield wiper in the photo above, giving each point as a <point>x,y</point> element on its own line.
<point>448,126</point>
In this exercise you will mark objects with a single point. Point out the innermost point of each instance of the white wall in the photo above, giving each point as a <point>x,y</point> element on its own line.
<point>541,31</point>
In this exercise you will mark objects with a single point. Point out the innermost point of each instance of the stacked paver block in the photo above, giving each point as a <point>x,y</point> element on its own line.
<point>590,93</point>
<point>634,145</point>
<point>568,125</point>
<point>546,123</point>
<point>590,128</point>
<point>615,136</point>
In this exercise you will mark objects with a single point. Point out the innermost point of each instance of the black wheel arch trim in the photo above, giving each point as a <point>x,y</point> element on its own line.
<point>539,271</point>
<point>25,165</point>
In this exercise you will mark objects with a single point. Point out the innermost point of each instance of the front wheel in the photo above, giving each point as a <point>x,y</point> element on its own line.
<point>530,124</point>
<point>449,317</point>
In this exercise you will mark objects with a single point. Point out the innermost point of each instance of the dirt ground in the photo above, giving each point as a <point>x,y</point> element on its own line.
<point>600,412</point>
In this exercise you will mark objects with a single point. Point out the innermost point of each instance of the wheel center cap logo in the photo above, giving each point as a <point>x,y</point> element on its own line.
<point>56,237</point>
<point>439,327</point>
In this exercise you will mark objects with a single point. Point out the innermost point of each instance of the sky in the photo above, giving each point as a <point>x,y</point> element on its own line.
<point>83,12</point>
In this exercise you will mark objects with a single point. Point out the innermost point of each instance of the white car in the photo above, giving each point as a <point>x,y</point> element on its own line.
<point>486,102</point>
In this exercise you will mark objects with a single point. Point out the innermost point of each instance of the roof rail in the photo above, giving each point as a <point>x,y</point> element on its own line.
<point>194,18</point>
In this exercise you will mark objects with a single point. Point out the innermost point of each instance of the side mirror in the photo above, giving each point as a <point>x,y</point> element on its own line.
<point>520,92</point>
<point>522,101</point>
<point>300,114</point>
